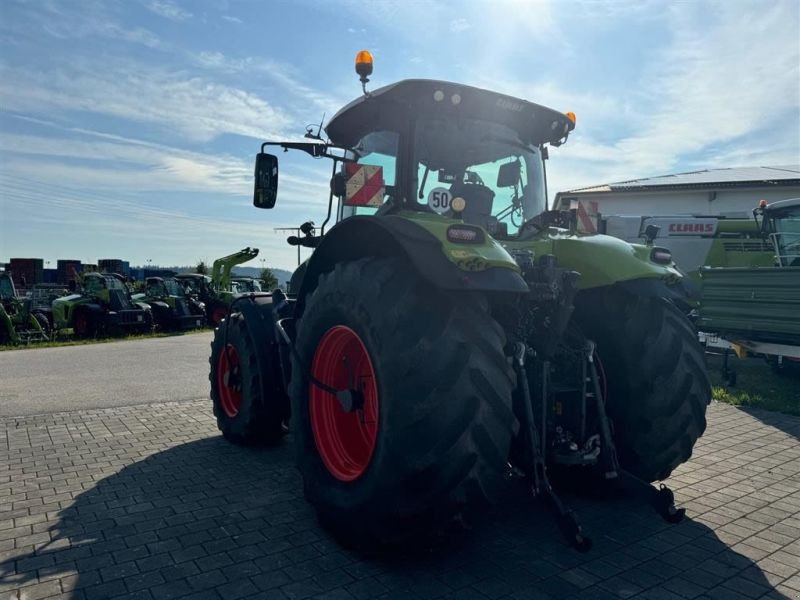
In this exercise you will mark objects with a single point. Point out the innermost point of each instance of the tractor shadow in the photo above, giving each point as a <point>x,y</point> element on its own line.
<point>788,424</point>
<point>207,514</point>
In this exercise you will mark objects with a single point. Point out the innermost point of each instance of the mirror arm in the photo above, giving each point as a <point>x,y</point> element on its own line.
<point>330,199</point>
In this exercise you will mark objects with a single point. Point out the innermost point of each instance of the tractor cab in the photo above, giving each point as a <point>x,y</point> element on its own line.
<point>434,147</point>
<point>420,145</point>
<point>105,287</point>
<point>7,290</point>
<point>160,287</point>
<point>244,285</point>
<point>781,223</point>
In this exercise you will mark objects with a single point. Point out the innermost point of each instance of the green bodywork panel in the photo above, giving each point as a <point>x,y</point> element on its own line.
<point>752,303</point>
<point>739,243</point>
<point>467,257</point>
<point>600,259</point>
<point>64,308</point>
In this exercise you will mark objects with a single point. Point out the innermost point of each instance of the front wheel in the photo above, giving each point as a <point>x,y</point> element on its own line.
<point>249,401</point>
<point>84,325</point>
<point>658,386</point>
<point>428,437</point>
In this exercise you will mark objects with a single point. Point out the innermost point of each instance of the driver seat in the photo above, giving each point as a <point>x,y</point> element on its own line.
<point>479,200</point>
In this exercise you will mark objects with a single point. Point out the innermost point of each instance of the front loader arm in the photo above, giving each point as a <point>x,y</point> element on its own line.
<point>221,269</point>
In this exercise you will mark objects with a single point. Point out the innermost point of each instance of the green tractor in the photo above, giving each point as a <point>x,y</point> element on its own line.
<point>449,331</point>
<point>200,290</point>
<point>19,322</point>
<point>102,305</point>
<point>218,291</point>
<point>171,307</point>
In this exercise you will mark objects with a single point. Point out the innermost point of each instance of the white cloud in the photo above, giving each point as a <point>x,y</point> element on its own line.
<point>458,25</point>
<point>283,74</point>
<point>707,98</point>
<point>168,10</point>
<point>69,28</point>
<point>232,19</point>
<point>199,109</point>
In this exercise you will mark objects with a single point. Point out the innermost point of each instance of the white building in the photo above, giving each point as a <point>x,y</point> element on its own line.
<point>710,192</point>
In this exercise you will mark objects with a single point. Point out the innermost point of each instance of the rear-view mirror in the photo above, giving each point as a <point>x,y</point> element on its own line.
<point>508,174</point>
<point>266,184</point>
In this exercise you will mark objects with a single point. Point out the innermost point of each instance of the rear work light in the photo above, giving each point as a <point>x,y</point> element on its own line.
<point>661,256</point>
<point>465,234</point>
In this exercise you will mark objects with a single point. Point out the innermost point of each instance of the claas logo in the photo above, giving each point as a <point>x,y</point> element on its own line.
<point>691,228</point>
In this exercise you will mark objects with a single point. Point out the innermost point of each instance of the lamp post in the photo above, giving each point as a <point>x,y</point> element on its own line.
<point>298,230</point>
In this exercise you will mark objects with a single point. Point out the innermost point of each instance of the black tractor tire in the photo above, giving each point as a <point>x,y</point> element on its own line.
<point>83,315</point>
<point>444,416</point>
<point>263,404</point>
<point>655,373</point>
<point>43,321</point>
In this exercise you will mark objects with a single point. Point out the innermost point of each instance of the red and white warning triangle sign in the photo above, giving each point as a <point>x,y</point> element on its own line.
<point>364,185</point>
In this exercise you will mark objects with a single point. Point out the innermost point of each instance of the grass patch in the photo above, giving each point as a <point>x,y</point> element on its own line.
<point>756,385</point>
<point>69,341</point>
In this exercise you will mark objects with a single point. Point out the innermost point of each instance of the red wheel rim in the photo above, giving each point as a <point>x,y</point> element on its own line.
<point>345,440</point>
<point>81,325</point>
<point>229,381</point>
<point>218,314</point>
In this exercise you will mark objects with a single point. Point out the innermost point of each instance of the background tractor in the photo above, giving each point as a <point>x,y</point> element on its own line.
<point>170,306</point>
<point>101,306</point>
<point>218,291</point>
<point>19,322</point>
<point>200,290</point>
<point>449,325</point>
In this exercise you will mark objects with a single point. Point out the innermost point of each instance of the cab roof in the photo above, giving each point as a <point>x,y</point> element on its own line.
<point>781,205</point>
<point>391,108</point>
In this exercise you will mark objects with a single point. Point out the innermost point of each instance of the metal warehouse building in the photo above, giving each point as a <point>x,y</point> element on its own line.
<point>708,192</point>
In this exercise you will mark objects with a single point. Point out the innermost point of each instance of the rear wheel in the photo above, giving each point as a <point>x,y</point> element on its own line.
<point>248,403</point>
<point>658,386</point>
<point>430,439</point>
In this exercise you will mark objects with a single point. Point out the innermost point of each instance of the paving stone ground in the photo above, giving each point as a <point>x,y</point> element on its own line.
<point>150,502</point>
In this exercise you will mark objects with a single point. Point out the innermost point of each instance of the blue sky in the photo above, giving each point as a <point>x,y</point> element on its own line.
<point>128,128</point>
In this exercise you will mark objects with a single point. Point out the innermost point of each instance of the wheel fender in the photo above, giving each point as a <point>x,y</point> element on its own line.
<point>389,236</point>
<point>681,292</point>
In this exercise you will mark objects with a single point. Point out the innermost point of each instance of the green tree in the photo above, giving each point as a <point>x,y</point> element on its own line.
<point>268,279</point>
<point>201,268</point>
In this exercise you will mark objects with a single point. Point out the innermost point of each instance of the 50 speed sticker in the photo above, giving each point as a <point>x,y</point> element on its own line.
<point>439,199</point>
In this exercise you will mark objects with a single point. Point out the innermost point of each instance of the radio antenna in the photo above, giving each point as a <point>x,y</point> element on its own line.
<point>310,130</point>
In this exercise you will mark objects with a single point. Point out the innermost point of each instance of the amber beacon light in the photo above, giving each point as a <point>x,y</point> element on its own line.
<point>364,65</point>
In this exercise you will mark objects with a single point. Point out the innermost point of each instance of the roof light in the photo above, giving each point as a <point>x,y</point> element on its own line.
<point>661,256</point>
<point>458,204</point>
<point>571,116</point>
<point>364,65</point>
